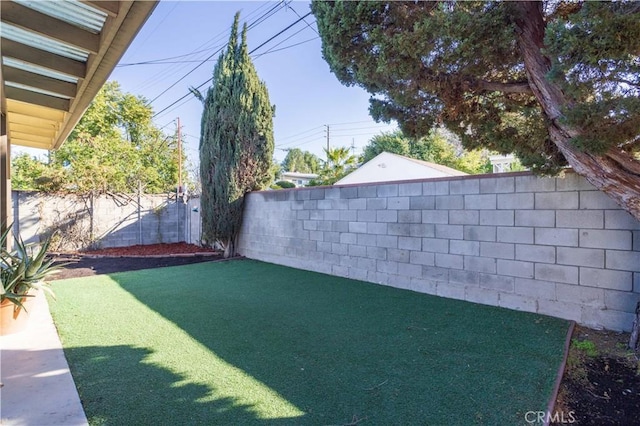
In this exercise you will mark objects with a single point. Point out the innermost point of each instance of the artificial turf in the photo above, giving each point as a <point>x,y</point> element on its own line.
<point>246,342</point>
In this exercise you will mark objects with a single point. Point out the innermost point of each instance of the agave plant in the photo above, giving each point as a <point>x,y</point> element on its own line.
<point>22,269</point>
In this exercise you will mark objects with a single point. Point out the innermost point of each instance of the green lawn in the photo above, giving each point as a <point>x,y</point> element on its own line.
<point>245,342</point>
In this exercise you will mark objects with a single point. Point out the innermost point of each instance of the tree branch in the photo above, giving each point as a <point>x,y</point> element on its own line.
<point>516,87</point>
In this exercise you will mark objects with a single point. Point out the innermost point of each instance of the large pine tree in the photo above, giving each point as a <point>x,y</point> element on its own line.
<point>236,142</point>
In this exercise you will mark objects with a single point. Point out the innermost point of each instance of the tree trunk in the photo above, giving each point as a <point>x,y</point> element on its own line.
<point>229,248</point>
<point>635,330</point>
<point>616,172</point>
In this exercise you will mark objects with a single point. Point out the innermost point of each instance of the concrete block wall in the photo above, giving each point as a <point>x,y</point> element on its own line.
<point>99,222</point>
<point>555,246</point>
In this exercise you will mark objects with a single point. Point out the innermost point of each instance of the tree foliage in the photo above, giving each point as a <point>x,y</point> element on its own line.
<point>340,162</point>
<point>556,83</point>
<point>114,146</point>
<point>434,148</point>
<point>301,161</point>
<point>236,142</point>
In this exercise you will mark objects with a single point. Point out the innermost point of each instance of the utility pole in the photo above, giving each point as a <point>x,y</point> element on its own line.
<point>327,126</point>
<point>179,191</point>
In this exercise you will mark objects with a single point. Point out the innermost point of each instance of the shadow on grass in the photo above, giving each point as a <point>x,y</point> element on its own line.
<point>342,350</point>
<point>146,393</point>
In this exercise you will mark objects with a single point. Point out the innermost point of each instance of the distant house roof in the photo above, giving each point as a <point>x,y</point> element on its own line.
<point>297,175</point>
<point>388,167</point>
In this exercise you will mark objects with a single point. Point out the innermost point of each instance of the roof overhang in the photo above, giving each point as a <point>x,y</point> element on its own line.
<point>55,57</point>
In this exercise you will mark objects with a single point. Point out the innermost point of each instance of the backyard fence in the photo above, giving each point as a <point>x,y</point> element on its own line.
<point>555,246</point>
<point>102,221</point>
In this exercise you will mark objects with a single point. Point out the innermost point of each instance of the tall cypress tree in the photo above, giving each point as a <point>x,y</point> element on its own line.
<point>236,142</point>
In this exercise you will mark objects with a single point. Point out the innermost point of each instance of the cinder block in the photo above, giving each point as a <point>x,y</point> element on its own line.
<point>398,203</point>
<point>497,217</point>
<point>479,233</point>
<point>516,201</point>
<point>470,248</point>
<point>410,243</point>
<point>557,273</point>
<point>325,204</point>
<point>452,261</point>
<point>358,274</point>
<point>316,214</point>
<point>515,268</point>
<point>556,237</point>
<point>357,251</point>
<point>580,257</point>
<point>310,225</point>
<point>596,200</point>
<point>422,258</point>
<point>556,201</point>
<point>535,184</point>
<point>358,227</point>
<point>636,282</point>
<point>422,230</point>
<point>620,219</point>
<point>378,253</point>
<point>340,271</point>
<point>497,250</point>
<point>481,295</point>
<point>426,202</point>
<point>324,246</point>
<point>449,202</point>
<point>537,218</point>
<point>316,235</point>
<point>349,192</point>
<point>302,215</point>
<point>460,276</point>
<point>367,191</point>
<point>623,260</point>
<point>480,202</point>
<point>387,267</point>
<point>387,216</point>
<point>450,231</point>
<point>410,216</point>
<point>403,229</point>
<point>435,245</point>
<point>331,258</point>
<point>358,204</point>
<point>390,190</point>
<point>536,289</point>
<point>480,264</point>
<point>378,228</point>
<point>366,215</point>
<point>606,278</point>
<point>410,189</point>
<point>588,296</point>
<point>534,253</point>
<point>399,281</point>
<point>464,186</point>
<point>378,277</point>
<point>435,216</point>
<point>366,239</point>
<point>398,255</point>
<point>606,239</point>
<point>341,249</point>
<point>515,234</point>
<point>565,310</point>
<point>424,286</point>
<point>338,226</point>
<point>573,182</point>
<point>348,215</point>
<point>497,282</point>
<point>435,188</point>
<point>335,193</point>
<point>517,302</point>
<point>464,217</point>
<point>580,219</point>
<point>366,263</point>
<point>623,301</point>
<point>376,203</point>
<point>410,270</point>
<point>387,241</point>
<point>332,215</point>
<point>450,290</point>
<point>316,194</point>
<point>435,273</point>
<point>497,185</point>
<point>607,318</point>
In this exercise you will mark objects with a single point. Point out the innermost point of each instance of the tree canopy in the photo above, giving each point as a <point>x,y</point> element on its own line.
<point>556,83</point>
<point>301,161</point>
<point>114,146</point>
<point>339,163</point>
<point>434,148</point>
<point>236,141</point>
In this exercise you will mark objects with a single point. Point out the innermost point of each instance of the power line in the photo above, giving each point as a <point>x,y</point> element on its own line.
<point>209,79</point>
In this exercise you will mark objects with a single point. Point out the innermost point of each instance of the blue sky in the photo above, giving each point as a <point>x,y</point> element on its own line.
<point>306,94</point>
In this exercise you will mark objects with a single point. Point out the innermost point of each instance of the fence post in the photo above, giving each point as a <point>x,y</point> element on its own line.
<point>139,213</point>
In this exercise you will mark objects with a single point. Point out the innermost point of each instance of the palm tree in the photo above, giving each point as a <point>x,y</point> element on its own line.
<point>339,163</point>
